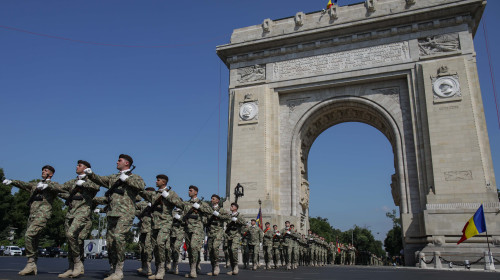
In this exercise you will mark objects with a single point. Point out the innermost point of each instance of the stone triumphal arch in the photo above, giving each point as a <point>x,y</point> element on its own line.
<point>406,68</point>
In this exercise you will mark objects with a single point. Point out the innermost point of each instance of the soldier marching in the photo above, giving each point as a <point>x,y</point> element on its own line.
<point>165,222</point>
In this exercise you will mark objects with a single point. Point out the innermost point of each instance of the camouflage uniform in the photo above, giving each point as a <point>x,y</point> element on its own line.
<point>176,240</point>
<point>276,247</point>
<point>267,246</point>
<point>295,249</point>
<point>245,251</point>
<point>40,211</point>
<point>193,230</point>
<point>287,245</point>
<point>233,231</point>
<point>255,239</point>
<point>215,233</point>
<point>78,218</point>
<point>120,212</point>
<point>143,212</point>
<point>161,223</point>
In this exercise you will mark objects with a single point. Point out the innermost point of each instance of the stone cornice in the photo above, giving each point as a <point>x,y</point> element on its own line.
<point>335,33</point>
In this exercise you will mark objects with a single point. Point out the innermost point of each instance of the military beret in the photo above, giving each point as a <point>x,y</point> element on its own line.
<point>194,188</point>
<point>162,176</point>
<point>267,223</point>
<point>235,204</point>
<point>127,158</point>
<point>49,168</point>
<point>84,162</point>
<point>216,196</point>
<point>253,220</point>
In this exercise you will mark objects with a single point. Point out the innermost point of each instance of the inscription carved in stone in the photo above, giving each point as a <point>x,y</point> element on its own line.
<point>458,175</point>
<point>439,44</point>
<point>343,61</point>
<point>251,74</point>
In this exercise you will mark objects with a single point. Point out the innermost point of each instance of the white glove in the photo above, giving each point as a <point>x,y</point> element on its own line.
<point>41,186</point>
<point>278,234</point>
<point>149,204</point>
<point>87,171</point>
<point>123,177</point>
<point>288,232</point>
<point>260,244</point>
<point>7,182</point>
<point>97,210</point>
<point>216,214</point>
<point>79,182</point>
<point>177,216</point>
<point>196,205</point>
<point>164,194</point>
<point>234,219</point>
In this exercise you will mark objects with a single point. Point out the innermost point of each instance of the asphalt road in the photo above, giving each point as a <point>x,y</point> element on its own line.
<point>49,268</point>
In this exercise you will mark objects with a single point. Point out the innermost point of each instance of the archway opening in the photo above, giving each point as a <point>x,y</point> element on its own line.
<point>349,170</point>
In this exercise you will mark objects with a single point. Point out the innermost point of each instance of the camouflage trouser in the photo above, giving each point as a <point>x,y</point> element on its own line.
<point>36,224</point>
<point>74,229</point>
<point>295,254</point>
<point>254,251</point>
<point>145,247</point>
<point>225,248</point>
<point>159,238</point>
<point>84,234</point>
<point>267,253</point>
<point>213,244</point>
<point>233,245</point>
<point>276,255</point>
<point>194,241</point>
<point>117,228</point>
<point>287,253</point>
<point>245,252</point>
<point>175,249</point>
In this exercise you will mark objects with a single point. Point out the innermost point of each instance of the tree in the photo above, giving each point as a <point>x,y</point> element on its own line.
<point>393,242</point>
<point>363,240</point>
<point>322,227</point>
<point>5,205</point>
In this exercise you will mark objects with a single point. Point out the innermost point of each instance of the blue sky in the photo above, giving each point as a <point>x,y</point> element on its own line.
<point>64,100</point>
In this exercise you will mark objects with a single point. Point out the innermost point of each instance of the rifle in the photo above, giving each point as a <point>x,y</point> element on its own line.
<point>147,211</point>
<point>72,194</point>
<point>35,193</point>
<point>184,219</point>
<point>117,184</point>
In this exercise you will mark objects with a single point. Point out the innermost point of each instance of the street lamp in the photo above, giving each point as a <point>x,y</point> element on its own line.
<point>238,192</point>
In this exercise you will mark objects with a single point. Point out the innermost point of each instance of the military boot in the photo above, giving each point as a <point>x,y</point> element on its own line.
<point>30,268</point>
<point>168,266</point>
<point>228,264</point>
<point>192,273</point>
<point>77,268</point>
<point>68,272</point>
<point>268,266</point>
<point>142,268</point>
<point>254,267</point>
<point>288,266</point>
<point>215,270</point>
<point>175,268</point>
<point>118,275</point>
<point>231,272</point>
<point>83,270</point>
<point>160,273</point>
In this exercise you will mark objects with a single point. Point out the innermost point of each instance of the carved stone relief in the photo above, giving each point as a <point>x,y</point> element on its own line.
<point>392,92</point>
<point>304,195</point>
<point>458,175</point>
<point>439,44</point>
<point>251,74</point>
<point>396,194</point>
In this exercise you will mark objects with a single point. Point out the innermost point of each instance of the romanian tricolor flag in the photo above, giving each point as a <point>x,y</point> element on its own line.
<point>259,218</point>
<point>338,245</point>
<point>329,5</point>
<point>474,226</point>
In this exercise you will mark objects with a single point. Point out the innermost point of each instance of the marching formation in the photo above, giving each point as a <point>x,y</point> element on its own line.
<point>166,222</point>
